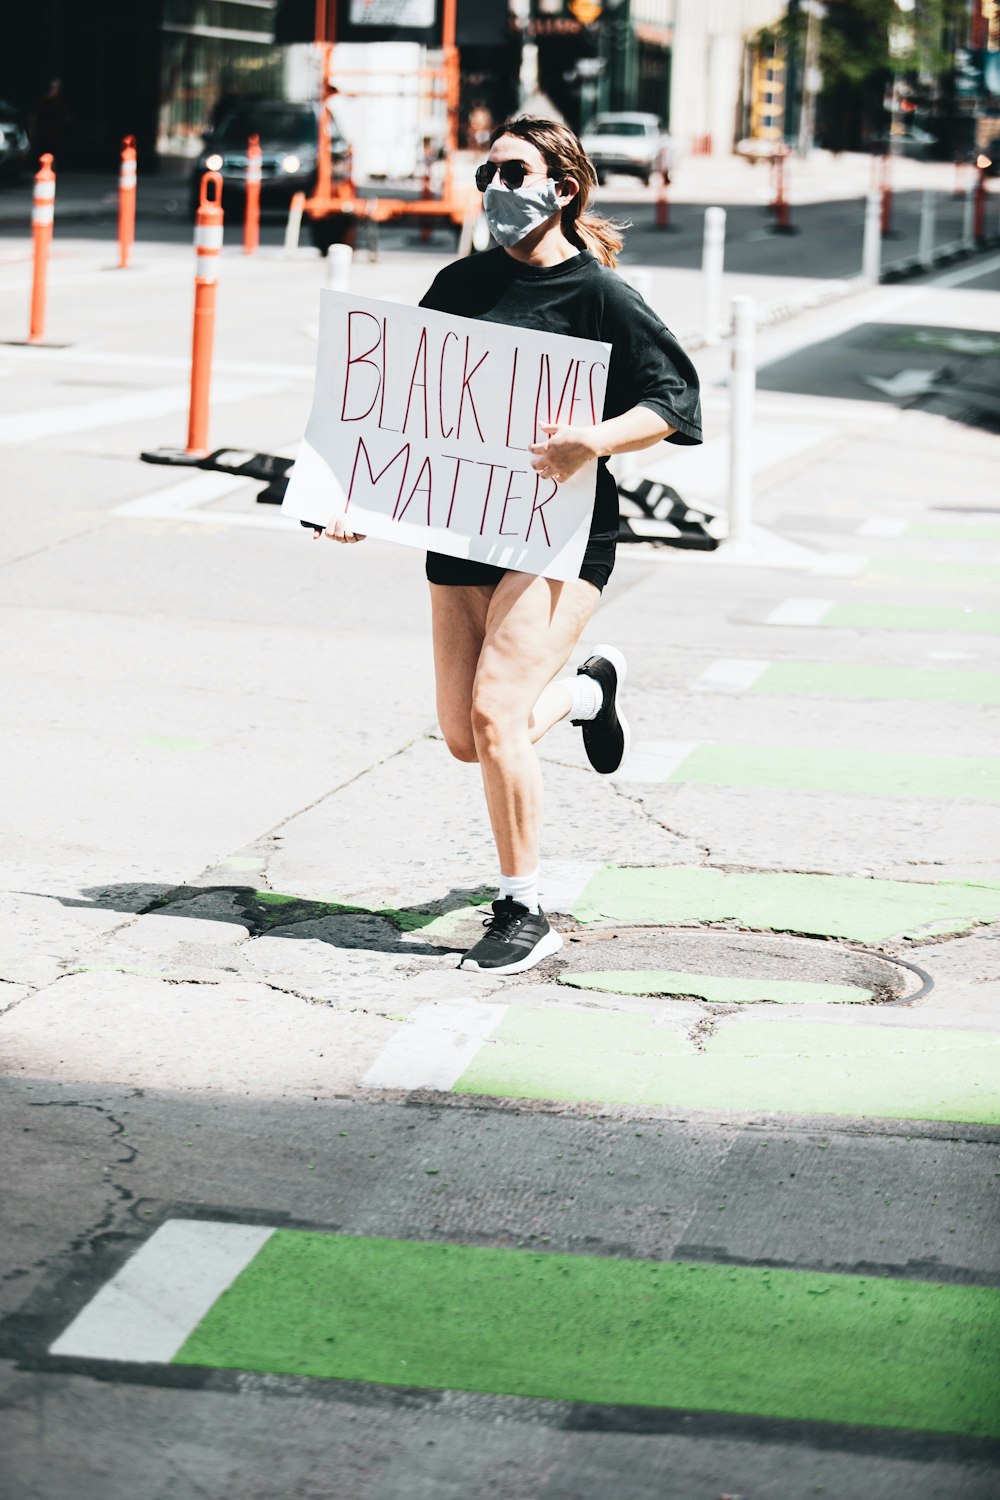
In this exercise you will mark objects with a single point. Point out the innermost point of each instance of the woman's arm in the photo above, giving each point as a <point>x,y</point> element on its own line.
<point>567,449</point>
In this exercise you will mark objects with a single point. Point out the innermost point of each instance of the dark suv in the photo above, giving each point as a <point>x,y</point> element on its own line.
<point>288,138</point>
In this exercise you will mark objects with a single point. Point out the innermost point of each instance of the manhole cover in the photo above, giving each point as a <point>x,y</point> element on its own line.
<point>727,967</point>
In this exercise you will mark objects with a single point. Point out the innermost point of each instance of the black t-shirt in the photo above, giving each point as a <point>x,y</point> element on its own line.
<point>581,297</point>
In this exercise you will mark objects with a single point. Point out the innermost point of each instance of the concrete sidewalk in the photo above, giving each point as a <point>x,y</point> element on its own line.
<point>755,1092</point>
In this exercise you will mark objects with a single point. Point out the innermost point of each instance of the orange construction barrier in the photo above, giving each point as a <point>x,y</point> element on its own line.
<point>251,217</point>
<point>662,218</point>
<point>208,247</point>
<point>126,201</point>
<point>43,210</point>
<point>886,187</point>
<point>780,204</point>
<point>983,164</point>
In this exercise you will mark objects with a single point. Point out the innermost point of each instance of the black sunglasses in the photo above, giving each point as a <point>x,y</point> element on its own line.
<point>512,174</point>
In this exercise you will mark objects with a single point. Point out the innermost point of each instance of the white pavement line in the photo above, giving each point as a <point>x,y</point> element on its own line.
<point>79,354</point>
<point>435,1046</point>
<point>968,273</point>
<point>654,760</point>
<point>884,526</point>
<point>799,612</point>
<point>110,411</point>
<point>730,675</point>
<point>176,502</point>
<point>146,1312</point>
<point>840,564</point>
<point>563,882</point>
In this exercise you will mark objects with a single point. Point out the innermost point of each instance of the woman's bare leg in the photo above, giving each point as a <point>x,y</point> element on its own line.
<point>532,624</point>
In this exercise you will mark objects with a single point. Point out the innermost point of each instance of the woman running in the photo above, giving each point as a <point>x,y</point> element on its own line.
<point>501,636</point>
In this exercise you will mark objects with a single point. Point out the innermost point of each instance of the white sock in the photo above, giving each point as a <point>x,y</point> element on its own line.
<point>586,696</point>
<point>520,888</point>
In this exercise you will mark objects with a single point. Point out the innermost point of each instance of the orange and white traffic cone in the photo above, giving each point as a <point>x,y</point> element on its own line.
<point>127,178</point>
<point>251,217</point>
<point>208,247</point>
<point>43,209</point>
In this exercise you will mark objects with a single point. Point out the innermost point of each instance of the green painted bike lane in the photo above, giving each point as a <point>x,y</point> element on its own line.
<point>770,1343</point>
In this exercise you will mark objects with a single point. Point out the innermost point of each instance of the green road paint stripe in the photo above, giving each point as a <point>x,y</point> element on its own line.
<point>869,911</point>
<point>771,1343</point>
<point>862,772</point>
<point>893,570</point>
<point>843,680</point>
<point>944,531</point>
<point>604,1057</point>
<point>915,617</point>
<point>722,989</point>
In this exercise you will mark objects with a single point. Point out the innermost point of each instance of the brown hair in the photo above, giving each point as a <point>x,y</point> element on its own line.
<point>565,157</point>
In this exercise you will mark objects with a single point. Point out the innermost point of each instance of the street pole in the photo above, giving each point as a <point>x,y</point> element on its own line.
<point>742,388</point>
<point>928,214</point>
<point>712,259</point>
<point>871,254</point>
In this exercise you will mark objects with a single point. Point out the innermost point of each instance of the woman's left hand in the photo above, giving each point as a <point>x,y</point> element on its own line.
<point>565,452</point>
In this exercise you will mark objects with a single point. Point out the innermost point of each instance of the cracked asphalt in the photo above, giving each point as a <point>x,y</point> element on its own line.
<point>239,867</point>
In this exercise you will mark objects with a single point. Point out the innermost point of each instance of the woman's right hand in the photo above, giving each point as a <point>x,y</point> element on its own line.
<point>338,531</point>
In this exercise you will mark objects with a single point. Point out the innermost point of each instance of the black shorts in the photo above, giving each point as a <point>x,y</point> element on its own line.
<point>598,561</point>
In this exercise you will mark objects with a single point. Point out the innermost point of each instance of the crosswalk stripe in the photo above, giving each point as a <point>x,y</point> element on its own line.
<point>434,1046</point>
<point>146,1312</point>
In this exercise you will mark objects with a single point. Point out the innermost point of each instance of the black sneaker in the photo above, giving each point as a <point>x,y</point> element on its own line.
<point>606,738</point>
<point>515,939</point>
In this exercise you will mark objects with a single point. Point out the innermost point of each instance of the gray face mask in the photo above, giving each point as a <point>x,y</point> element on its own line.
<point>512,213</point>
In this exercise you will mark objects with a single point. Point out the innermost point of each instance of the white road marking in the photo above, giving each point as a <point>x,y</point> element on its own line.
<point>110,411</point>
<point>885,526</point>
<point>654,761</point>
<point>968,273</point>
<point>563,882</point>
<point>841,564</point>
<point>435,1046</point>
<point>79,354</point>
<point>730,675</point>
<point>146,1312</point>
<point>799,612</point>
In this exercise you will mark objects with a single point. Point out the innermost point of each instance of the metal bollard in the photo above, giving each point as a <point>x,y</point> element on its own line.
<point>662,215</point>
<point>338,268</point>
<point>251,213</point>
<point>742,387</point>
<point>928,215</point>
<point>294,226</point>
<point>43,210</point>
<point>127,180</point>
<point>208,247</point>
<point>969,217</point>
<point>871,254</point>
<point>712,258</point>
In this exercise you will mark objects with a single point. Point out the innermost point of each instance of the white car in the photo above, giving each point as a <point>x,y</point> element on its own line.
<point>633,144</point>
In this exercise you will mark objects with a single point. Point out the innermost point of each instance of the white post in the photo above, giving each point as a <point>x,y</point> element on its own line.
<point>642,279</point>
<point>742,386</point>
<point>871,254</point>
<point>928,213</point>
<point>712,257</point>
<point>969,215</point>
<point>294,226</point>
<point>338,268</point>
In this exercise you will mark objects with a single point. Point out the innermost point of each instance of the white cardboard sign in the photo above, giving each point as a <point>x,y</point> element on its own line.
<point>420,427</point>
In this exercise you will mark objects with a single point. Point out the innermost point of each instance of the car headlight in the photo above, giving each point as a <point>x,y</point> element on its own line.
<point>291,164</point>
<point>213,163</point>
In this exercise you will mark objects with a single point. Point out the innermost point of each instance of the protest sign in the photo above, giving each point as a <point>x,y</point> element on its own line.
<point>420,427</point>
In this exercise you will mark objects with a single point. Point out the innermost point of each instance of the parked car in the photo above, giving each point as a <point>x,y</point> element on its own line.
<point>15,148</point>
<point>288,133</point>
<point>633,144</point>
<point>913,141</point>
